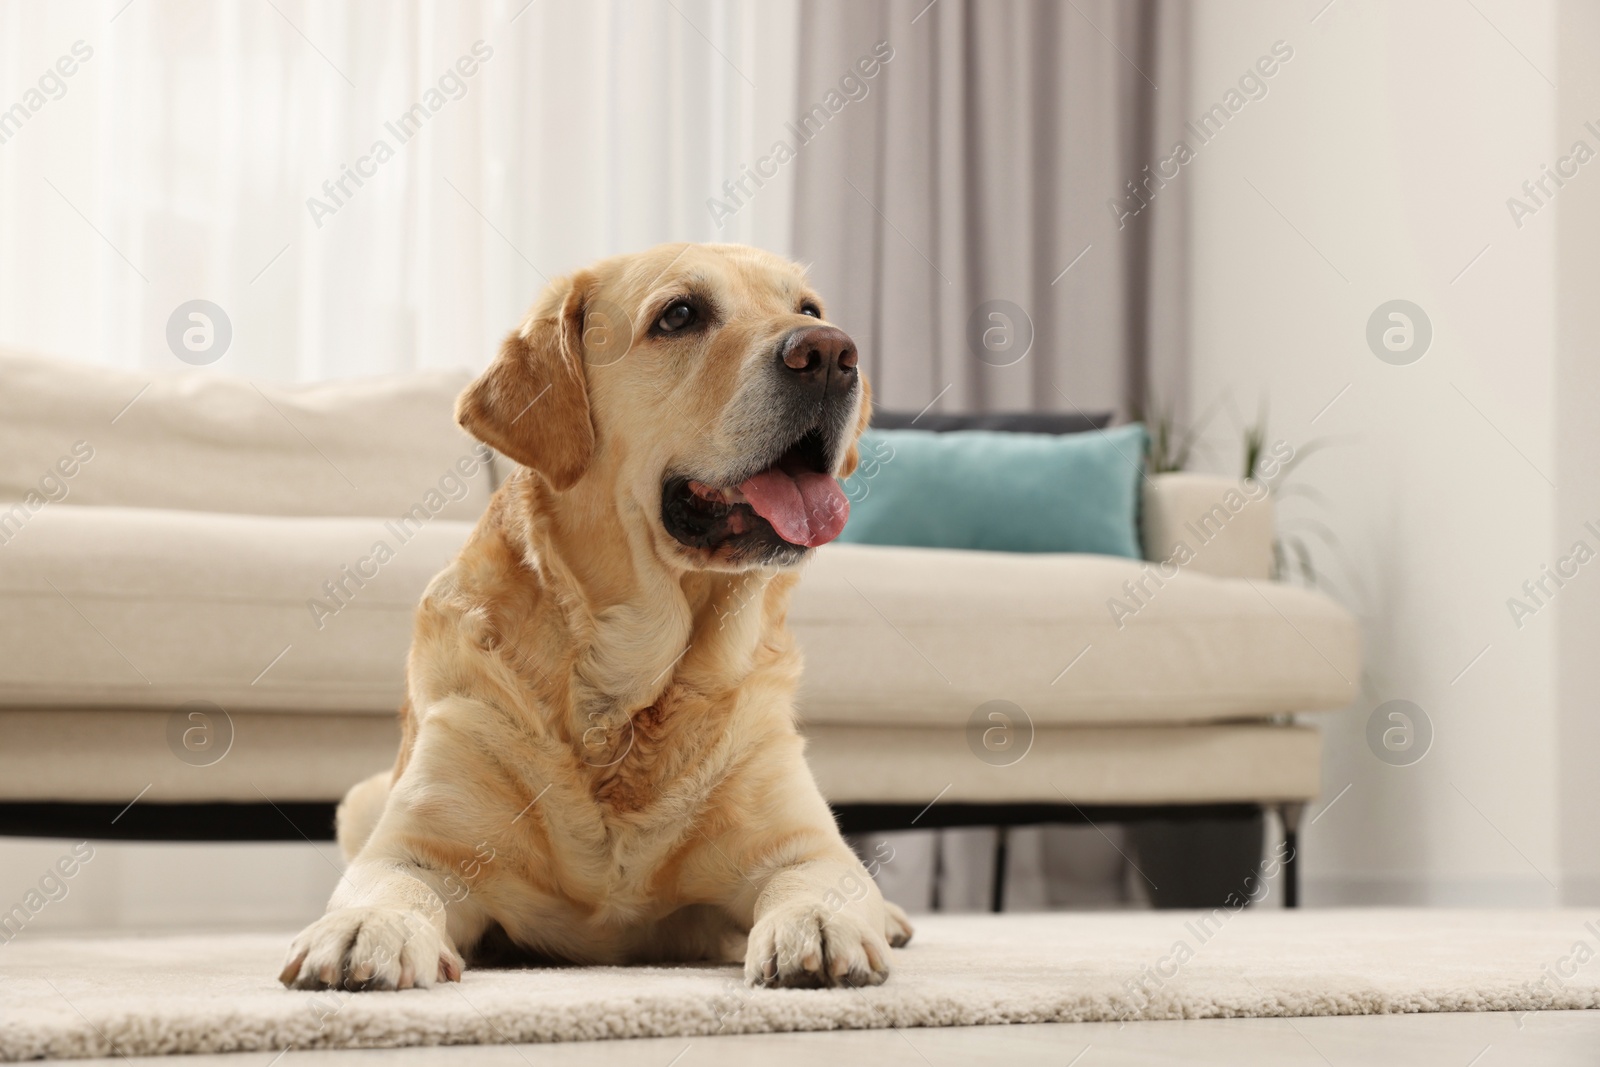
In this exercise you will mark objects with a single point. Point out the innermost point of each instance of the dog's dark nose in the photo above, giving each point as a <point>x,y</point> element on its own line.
<point>818,353</point>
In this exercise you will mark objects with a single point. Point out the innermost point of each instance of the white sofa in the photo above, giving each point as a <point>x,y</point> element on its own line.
<point>165,540</point>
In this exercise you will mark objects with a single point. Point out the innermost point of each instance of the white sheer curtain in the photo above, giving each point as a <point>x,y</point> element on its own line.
<point>177,163</point>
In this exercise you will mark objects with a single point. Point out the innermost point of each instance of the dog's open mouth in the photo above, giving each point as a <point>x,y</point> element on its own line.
<point>793,502</point>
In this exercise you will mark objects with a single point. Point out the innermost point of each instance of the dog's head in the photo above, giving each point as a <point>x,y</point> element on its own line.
<point>699,388</point>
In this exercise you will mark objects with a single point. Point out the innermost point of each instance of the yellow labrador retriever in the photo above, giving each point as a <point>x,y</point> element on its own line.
<point>599,760</point>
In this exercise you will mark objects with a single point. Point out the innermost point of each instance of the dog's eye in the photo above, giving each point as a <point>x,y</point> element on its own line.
<point>811,309</point>
<point>679,313</point>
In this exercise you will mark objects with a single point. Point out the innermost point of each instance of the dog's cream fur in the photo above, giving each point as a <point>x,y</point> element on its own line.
<point>599,761</point>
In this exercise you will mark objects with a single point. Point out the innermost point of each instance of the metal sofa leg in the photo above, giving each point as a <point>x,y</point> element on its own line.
<point>1290,814</point>
<point>997,890</point>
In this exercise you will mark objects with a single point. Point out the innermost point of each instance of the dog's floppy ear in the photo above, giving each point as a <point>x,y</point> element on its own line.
<point>852,455</point>
<point>532,404</point>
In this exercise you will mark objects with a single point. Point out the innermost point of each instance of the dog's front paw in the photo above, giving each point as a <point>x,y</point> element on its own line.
<point>807,946</point>
<point>370,948</point>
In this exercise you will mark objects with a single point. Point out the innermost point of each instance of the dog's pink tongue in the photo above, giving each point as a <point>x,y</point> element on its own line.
<point>806,508</point>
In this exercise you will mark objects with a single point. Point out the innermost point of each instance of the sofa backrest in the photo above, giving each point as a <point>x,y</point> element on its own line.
<point>202,441</point>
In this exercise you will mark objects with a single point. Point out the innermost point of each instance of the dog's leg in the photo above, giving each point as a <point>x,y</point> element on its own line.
<point>399,916</point>
<point>359,811</point>
<point>815,915</point>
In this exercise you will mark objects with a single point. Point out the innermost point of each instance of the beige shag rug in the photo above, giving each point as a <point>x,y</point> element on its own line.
<point>64,998</point>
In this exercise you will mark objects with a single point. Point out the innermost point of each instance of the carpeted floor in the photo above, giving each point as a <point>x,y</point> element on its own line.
<point>67,998</point>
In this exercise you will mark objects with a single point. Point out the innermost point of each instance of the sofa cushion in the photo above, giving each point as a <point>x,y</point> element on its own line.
<point>131,607</point>
<point>1006,492</point>
<point>202,441</point>
<point>917,635</point>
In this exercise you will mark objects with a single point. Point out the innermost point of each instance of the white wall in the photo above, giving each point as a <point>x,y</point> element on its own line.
<point>1577,472</point>
<point>1381,161</point>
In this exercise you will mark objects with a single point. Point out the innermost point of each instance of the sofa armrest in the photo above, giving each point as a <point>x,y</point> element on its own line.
<point>1209,524</point>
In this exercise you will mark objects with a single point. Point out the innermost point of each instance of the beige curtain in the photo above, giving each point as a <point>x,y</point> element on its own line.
<point>995,165</point>
<point>994,158</point>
